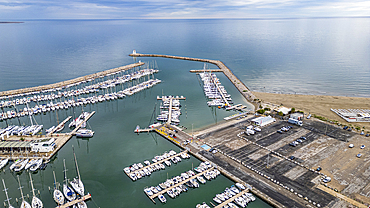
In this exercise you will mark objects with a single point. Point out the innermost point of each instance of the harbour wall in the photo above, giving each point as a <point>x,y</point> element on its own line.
<point>243,89</point>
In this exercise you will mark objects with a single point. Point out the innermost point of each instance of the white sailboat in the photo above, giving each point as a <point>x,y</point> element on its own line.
<point>36,202</point>
<point>82,204</point>
<point>24,203</point>
<point>68,191</point>
<point>4,162</point>
<point>77,184</point>
<point>57,195</point>
<point>6,193</point>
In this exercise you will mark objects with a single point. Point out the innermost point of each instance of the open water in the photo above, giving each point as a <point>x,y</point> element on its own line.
<point>307,56</point>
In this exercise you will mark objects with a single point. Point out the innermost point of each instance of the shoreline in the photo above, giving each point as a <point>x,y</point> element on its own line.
<point>318,104</point>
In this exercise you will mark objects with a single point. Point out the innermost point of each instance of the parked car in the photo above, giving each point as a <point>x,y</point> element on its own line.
<point>350,129</point>
<point>362,146</point>
<point>345,127</point>
<point>299,140</point>
<point>359,155</point>
<point>291,157</point>
<point>293,144</point>
<point>367,135</point>
<point>362,133</point>
<point>304,138</point>
<point>278,131</point>
<point>326,180</point>
<point>318,168</point>
<point>351,145</point>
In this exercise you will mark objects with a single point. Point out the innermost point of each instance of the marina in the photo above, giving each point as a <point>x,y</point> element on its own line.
<point>242,88</point>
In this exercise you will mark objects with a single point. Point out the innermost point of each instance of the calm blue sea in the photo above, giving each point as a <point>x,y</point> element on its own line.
<point>305,56</point>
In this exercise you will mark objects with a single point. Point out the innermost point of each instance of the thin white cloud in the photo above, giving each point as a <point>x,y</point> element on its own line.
<point>181,8</point>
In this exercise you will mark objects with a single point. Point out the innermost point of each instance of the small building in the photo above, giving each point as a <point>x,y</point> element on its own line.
<point>284,110</point>
<point>263,121</point>
<point>297,116</point>
<point>14,146</point>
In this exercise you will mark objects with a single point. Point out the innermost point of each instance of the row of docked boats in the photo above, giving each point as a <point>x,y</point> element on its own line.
<point>138,170</point>
<point>214,91</point>
<point>35,203</point>
<point>170,106</point>
<point>52,106</point>
<point>181,183</point>
<point>26,164</point>
<point>48,95</point>
<point>71,191</point>
<point>20,130</point>
<point>233,193</point>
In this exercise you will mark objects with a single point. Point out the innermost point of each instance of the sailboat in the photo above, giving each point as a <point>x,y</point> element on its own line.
<point>68,192</point>
<point>36,202</point>
<point>6,193</point>
<point>77,184</point>
<point>24,203</point>
<point>82,204</point>
<point>57,195</point>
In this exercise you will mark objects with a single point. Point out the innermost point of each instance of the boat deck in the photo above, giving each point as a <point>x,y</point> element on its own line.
<point>178,184</point>
<point>71,203</point>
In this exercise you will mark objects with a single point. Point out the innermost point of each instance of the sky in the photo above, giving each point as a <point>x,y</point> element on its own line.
<point>180,9</point>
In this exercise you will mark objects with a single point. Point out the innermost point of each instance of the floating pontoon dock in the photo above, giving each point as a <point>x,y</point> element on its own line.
<point>153,164</point>
<point>178,184</point>
<point>71,203</point>
<point>231,199</point>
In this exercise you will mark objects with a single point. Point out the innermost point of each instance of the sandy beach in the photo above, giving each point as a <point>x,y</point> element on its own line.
<point>318,104</point>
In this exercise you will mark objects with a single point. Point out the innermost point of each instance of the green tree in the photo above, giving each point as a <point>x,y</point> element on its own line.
<point>292,110</point>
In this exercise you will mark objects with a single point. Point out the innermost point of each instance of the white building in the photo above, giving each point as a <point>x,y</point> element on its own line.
<point>263,121</point>
<point>46,145</point>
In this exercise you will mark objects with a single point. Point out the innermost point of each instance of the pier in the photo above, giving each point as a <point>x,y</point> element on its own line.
<point>60,125</point>
<point>178,184</point>
<point>243,89</point>
<point>71,203</point>
<point>231,199</point>
<point>69,82</point>
<point>79,126</point>
<point>163,98</point>
<point>205,70</point>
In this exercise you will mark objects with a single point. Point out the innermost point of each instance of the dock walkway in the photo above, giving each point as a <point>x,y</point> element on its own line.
<point>231,199</point>
<point>178,184</point>
<point>79,126</point>
<point>243,89</point>
<point>62,123</point>
<point>71,203</point>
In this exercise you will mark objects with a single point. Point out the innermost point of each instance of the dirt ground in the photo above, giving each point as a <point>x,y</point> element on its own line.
<point>318,104</point>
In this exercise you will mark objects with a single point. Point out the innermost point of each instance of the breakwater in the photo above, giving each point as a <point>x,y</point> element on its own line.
<point>242,88</point>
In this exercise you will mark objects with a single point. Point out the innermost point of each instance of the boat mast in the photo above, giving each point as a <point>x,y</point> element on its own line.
<point>20,187</point>
<point>6,193</point>
<point>78,172</point>
<point>55,181</point>
<point>65,171</point>
<point>33,190</point>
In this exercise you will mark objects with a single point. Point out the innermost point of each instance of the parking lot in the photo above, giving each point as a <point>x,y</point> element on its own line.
<point>325,145</point>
